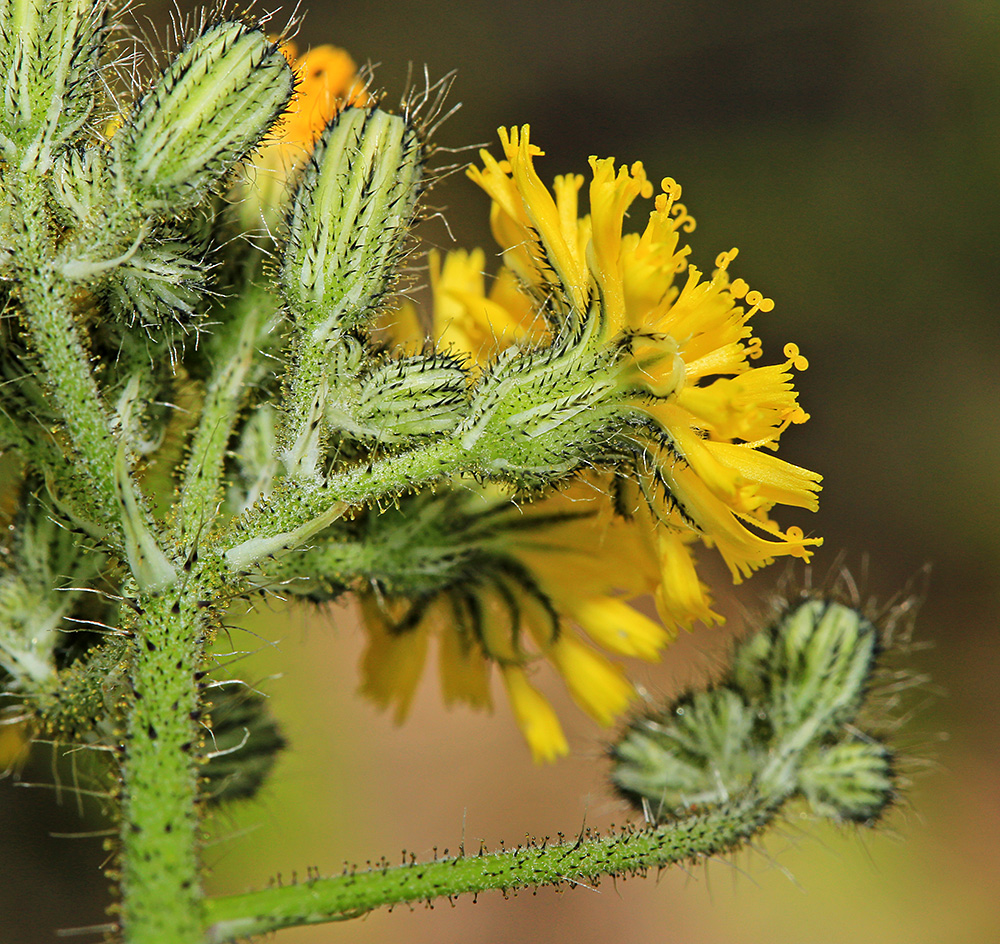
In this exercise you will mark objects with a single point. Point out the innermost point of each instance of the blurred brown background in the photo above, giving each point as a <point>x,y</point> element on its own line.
<point>850,149</point>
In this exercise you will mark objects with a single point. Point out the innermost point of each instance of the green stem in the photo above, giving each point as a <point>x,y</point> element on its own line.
<point>302,437</point>
<point>225,396</point>
<point>160,876</point>
<point>298,509</point>
<point>48,314</point>
<point>622,852</point>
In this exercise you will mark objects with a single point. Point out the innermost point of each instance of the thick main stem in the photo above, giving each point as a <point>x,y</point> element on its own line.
<point>160,880</point>
<point>625,852</point>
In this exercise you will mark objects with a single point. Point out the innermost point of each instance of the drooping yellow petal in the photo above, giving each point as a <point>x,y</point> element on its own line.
<point>597,685</point>
<point>392,664</point>
<point>465,673</point>
<point>723,480</point>
<point>619,628</point>
<point>742,549</point>
<point>535,717</point>
<point>681,598</point>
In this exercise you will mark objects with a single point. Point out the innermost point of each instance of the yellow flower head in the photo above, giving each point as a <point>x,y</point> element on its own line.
<point>552,580</point>
<point>554,585</point>
<point>328,82</point>
<point>707,410</point>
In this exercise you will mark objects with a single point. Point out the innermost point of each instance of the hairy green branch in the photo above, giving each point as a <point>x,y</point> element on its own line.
<point>629,851</point>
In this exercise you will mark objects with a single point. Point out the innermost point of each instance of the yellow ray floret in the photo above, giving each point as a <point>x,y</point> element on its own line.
<point>535,717</point>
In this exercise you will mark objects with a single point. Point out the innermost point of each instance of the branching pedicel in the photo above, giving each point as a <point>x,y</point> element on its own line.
<point>193,413</point>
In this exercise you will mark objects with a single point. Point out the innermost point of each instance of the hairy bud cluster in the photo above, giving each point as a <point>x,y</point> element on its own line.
<point>782,723</point>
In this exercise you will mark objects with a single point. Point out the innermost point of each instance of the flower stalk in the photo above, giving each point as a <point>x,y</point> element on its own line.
<point>160,868</point>
<point>620,853</point>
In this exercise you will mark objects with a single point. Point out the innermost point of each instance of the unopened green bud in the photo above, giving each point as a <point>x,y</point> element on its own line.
<point>848,781</point>
<point>158,282</point>
<point>820,664</point>
<point>701,752</point>
<point>253,465</point>
<point>540,414</point>
<point>49,52</point>
<point>206,112</point>
<point>78,184</point>
<point>38,580</point>
<point>349,218</point>
<point>404,399</point>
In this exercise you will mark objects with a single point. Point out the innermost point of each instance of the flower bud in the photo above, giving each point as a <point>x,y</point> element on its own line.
<point>49,53</point>
<point>700,752</point>
<point>159,282</point>
<point>79,183</point>
<point>38,571</point>
<point>404,399</point>
<point>820,663</point>
<point>539,414</point>
<point>849,781</point>
<point>206,112</point>
<point>348,219</point>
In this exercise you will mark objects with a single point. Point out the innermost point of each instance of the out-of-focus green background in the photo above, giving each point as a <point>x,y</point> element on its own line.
<point>851,150</point>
